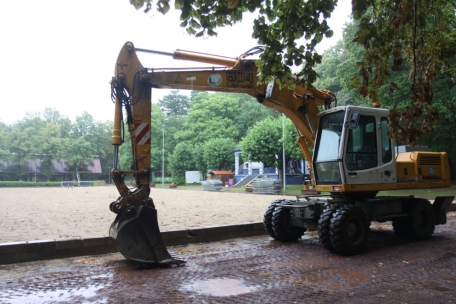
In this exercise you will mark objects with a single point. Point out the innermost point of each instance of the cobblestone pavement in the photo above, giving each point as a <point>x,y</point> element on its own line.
<point>251,270</point>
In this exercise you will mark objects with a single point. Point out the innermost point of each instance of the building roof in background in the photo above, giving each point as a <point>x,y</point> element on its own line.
<point>221,172</point>
<point>60,167</point>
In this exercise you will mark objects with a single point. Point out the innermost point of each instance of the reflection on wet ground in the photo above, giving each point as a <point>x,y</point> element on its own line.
<point>250,270</point>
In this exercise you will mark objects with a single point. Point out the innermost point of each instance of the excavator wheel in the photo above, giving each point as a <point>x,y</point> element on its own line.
<point>401,227</point>
<point>349,230</point>
<point>324,225</point>
<point>267,218</point>
<point>283,230</point>
<point>422,220</point>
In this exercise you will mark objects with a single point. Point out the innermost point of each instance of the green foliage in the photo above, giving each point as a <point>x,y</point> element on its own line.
<point>198,158</point>
<point>420,32</point>
<point>264,141</point>
<point>51,147</point>
<point>292,149</point>
<point>48,136</point>
<point>79,153</point>
<point>289,30</point>
<point>156,138</point>
<point>389,33</point>
<point>212,116</point>
<point>174,111</point>
<point>181,160</point>
<point>218,153</point>
<point>174,104</point>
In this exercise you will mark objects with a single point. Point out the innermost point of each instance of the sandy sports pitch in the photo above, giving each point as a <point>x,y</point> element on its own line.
<point>53,213</point>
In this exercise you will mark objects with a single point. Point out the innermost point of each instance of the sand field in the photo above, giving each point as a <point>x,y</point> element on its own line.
<point>53,213</point>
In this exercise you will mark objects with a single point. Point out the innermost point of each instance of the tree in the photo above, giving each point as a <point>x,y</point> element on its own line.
<point>52,115</point>
<point>79,153</point>
<point>174,111</point>
<point>156,139</point>
<point>198,159</point>
<point>22,147</point>
<point>218,153</point>
<point>289,30</point>
<point>50,146</point>
<point>421,32</point>
<point>175,104</point>
<point>329,77</point>
<point>292,149</point>
<point>263,142</point>
<point>213,116</point>
<point>181,160</point>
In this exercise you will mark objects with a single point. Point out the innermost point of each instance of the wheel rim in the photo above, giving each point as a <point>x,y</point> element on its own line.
<point>354,231</point>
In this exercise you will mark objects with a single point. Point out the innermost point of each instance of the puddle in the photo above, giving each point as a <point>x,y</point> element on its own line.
<point>223,287</point>
<point>54,295</point>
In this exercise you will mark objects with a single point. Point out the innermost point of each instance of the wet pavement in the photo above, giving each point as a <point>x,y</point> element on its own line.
<point>251,270</point>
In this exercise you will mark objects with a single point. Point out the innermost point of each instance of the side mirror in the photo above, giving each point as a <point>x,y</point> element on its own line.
<point>354,120</point>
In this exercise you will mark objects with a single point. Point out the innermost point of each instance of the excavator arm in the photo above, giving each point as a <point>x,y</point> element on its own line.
<point>131,87</point>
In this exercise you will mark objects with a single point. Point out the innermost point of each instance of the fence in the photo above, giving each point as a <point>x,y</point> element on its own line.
<point>212,185</point>
<point>267,186</point>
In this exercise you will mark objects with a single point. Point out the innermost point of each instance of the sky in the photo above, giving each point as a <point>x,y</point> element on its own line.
<point>61,54</point>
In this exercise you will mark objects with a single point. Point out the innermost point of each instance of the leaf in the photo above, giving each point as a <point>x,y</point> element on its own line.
<point>194,24</point>
<point>137,3</point>
<point>178,4</point>
<point>191,31</point>
<point>233,3</point>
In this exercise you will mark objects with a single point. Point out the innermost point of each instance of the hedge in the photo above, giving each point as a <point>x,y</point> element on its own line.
<point>39,184</point>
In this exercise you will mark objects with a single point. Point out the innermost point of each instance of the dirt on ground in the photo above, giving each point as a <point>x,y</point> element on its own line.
<point>53,213</point>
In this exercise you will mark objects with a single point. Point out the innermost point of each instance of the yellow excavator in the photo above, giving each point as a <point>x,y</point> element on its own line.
<point>353,159</point>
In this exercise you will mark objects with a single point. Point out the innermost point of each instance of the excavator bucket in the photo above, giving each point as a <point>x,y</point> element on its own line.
<point>137,236</point>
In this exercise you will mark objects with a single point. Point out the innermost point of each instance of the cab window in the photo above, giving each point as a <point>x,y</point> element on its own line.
<point>362,145</point>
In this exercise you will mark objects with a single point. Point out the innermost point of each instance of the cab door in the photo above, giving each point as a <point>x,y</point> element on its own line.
<point>387,163</point>
<point>362,152</point>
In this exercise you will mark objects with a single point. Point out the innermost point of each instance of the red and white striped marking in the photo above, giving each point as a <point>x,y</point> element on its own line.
<point>142,133</point>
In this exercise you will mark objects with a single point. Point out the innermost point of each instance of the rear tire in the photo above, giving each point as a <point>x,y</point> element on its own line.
<point>283,230</point>
<point>349,230</point>
<point>401,227</point>
<point>422,221</point>
<point>324,225</point>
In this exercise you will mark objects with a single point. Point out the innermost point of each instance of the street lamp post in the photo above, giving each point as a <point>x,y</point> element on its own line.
<point>163,156</point>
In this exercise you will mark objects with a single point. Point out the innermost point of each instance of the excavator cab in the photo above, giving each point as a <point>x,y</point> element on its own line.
<point>354,155</point>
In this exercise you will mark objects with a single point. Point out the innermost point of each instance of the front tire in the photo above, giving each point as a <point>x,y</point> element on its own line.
<point>349,230</point>
<point>267,218</point>
<point>283,230</point>
<point>324,225</point>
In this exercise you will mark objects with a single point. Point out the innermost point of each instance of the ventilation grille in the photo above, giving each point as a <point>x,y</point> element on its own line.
<point>430,160</point>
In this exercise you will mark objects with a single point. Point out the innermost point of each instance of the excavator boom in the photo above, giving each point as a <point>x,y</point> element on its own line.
<point>135,229</point>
